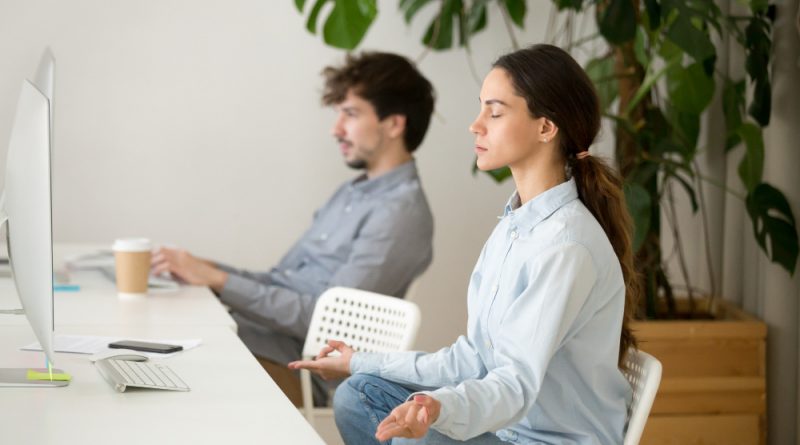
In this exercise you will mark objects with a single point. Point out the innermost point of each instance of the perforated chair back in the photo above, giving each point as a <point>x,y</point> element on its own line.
<point>366,321</point>
<point>643,372</point>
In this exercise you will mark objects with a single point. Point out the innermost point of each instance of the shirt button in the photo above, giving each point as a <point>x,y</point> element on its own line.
<point>323,236</point>
<point>514,234</point>
<point>347,209</point>
<point>495,288</point>
<point>489,344</point>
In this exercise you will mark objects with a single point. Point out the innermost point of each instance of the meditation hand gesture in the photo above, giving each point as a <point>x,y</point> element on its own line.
<point>326,365</point>
<point>411,419</point>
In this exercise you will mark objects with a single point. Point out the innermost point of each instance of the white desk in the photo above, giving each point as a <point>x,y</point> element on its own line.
<point>232,399</point>
<point>191,305</point>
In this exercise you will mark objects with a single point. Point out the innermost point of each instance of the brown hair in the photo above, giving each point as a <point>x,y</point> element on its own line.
<point>556,87</point>
<point>390,83</point>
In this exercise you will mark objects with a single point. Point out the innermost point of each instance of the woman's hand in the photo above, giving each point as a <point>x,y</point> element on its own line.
<point>411,419</point>
<point>326,365</point>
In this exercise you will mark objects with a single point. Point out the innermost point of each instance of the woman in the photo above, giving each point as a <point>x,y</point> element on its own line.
<point>549,299</point>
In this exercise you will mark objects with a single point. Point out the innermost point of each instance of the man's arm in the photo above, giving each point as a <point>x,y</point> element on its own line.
<point>392,247</point>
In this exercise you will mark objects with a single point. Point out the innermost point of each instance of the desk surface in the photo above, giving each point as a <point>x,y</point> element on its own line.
<point>232,399</point>
<point>190,305</point>
<point>97,301</point>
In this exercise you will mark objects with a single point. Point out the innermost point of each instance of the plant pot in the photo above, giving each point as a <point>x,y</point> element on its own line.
<point>713,388</point>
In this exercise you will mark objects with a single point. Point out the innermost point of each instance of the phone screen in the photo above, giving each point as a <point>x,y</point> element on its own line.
<point>145,346</point>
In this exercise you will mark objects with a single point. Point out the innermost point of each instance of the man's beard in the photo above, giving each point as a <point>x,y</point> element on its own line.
<point>357,164</point>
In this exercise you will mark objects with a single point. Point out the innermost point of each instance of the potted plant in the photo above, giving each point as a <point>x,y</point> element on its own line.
<point>656,78</point>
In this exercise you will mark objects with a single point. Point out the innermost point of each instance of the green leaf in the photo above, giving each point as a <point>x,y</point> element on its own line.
<point>411,7</point>
<point>348,22</point>
<point>516,10</point>
<point>640,48</point>
<point>476,17</point>
<point>761,105</point>
<point>639,206</point>
<point>693,41</point>
<point>439,35</point>
<point>601,71</point>
<point>732,140</point>
<point>499,174</point>
<point>642,172</point>
<point>688,188</point>
<point>569,4</point>
<point>732,108</point>
<point>299,4</point>
<point>751,168</point>
<point>617,23</point>
<point>687,126</point>
<point>653,13</point>
<point>758,46</point>
<point>650,79</point>
<point>759,5</point>
<point>311,23</point>
<point>773,219</point>
<point>690,89</point>
<point>669,51</point>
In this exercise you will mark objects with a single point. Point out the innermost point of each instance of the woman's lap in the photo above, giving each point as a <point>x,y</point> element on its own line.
<point>363,401</point>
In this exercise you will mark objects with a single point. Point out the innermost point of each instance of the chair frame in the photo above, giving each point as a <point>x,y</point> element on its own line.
<point>643,372</point>
<point>366,321</point>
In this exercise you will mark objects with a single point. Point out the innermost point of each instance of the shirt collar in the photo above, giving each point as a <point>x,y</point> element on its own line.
<point>387,181</point>
<point>542,206</point>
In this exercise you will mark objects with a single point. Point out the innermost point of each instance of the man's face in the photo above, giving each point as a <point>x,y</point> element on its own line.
<point>361,135</point>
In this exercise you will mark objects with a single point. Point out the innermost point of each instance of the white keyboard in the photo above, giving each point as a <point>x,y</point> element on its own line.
<point>122,374</point>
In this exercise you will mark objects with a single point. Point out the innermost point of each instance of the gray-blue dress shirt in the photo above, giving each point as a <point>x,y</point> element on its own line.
<point>373,234</point>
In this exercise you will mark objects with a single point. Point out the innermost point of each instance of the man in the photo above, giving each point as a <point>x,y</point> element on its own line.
<point>374,233</point>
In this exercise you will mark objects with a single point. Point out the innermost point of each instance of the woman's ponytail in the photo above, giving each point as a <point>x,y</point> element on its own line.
<point>600,189</point>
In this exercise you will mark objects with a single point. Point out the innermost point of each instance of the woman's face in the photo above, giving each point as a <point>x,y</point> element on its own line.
<point>505,132</point>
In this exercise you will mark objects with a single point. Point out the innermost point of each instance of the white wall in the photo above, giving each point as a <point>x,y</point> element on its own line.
<point>197,123</point>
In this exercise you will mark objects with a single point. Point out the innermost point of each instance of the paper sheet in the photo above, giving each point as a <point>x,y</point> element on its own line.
<point>91,344</point>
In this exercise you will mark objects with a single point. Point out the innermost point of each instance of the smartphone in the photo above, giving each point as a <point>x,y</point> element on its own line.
<point>145,346</point>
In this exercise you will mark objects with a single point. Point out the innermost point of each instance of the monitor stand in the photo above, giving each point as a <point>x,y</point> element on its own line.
<point>18,377</point>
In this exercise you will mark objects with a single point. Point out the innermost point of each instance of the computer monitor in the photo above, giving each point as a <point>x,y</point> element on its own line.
<point>26,209</point>
<point>45,80</point>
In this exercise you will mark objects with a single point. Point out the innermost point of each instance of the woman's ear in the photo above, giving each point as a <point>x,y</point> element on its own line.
<point>548,130</point>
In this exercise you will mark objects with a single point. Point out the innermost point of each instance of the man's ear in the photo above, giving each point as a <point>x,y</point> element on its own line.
<point>396,125</point>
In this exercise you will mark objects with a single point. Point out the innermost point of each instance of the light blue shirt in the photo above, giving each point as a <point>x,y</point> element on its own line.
<point>539,362</point>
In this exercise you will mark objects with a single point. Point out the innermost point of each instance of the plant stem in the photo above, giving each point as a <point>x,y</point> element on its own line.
<point>676,234</point>
<point>507,21</point>
<point>722,186</point>
<point>706,237</point>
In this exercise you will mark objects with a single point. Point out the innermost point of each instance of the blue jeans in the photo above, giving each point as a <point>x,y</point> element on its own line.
<point>363,401</point>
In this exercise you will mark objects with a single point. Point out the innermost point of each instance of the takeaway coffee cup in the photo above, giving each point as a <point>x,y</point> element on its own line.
<point>132,259</point>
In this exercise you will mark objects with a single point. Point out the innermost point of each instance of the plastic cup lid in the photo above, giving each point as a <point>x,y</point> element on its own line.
<point>132,245</point>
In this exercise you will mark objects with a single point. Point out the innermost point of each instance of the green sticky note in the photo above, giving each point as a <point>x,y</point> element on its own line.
<point>43,374</point>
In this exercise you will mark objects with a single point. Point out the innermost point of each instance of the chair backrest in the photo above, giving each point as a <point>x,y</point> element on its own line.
<point>366,321</point>
<point>643,372</point>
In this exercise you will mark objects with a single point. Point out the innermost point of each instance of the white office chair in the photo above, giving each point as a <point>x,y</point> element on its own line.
<point>366,321</point>
<point>643,372</point>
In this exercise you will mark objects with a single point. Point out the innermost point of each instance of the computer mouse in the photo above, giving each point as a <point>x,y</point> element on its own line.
<point>119,354</point>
